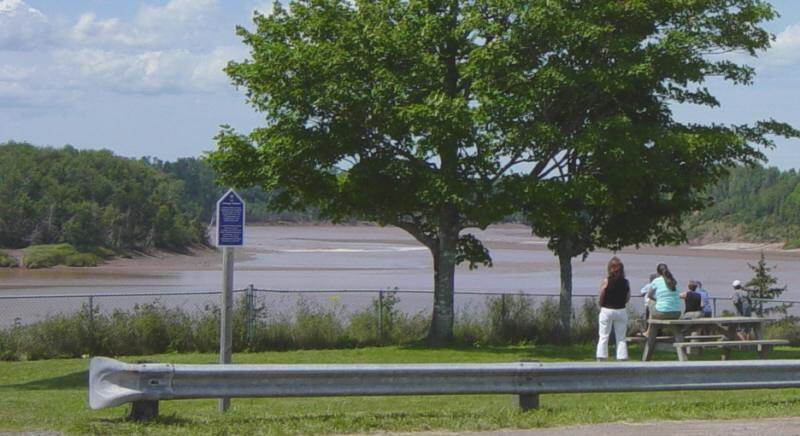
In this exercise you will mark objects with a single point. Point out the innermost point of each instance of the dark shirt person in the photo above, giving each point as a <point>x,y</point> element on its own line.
<point>615,292</point>
<point>693,302</point>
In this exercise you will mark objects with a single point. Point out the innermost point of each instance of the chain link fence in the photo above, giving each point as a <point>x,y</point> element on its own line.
<point>27,309</point>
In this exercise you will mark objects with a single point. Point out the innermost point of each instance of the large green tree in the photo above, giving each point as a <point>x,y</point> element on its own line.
<point>628,171</point>
<point>439,115</point>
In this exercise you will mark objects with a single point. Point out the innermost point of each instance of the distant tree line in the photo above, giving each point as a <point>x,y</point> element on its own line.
<point>201,192</point>
<point>90,199</point>
<point>751,203</point>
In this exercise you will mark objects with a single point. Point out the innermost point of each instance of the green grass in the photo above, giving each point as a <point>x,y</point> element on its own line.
<point>7,261</point>
<point>52,395</point>
<point>47,256</point>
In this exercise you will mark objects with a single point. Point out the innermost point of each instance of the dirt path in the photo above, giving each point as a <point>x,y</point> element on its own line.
<point>770,427</point>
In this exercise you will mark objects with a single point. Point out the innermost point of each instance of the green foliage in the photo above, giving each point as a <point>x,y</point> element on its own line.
<point>787,328</point>
<point>46,256</point>
<point>762,286</point>
<point>439,116</point>
<point>89,199</point>
<point>81,260</point>
<point>752,203</point>
<point>8,261</point>
<point>201,192</point>
<point>153,328</point>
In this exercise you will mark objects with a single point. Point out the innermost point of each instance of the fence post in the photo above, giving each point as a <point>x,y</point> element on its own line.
<point>91,325</point>
<point>380,316</point>
<point>503,314</point>
<point>714,308</point>
<point>250,314</point>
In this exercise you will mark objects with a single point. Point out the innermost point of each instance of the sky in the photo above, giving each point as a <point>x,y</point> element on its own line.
<point>143,78</point>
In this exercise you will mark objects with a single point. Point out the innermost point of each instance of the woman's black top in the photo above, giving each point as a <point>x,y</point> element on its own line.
<point>693,302</point>
<point>617,293</point>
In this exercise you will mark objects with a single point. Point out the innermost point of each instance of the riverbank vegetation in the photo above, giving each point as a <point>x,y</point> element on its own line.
<point>46,256</point>
<point>89,199</point>
<point>157,328</point>
<point>8,261</point>
<point>752,203</point>
<point>50,396</point>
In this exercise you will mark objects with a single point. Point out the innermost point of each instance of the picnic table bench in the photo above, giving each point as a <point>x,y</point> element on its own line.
<point>762,345</point>
<point>724,327</point>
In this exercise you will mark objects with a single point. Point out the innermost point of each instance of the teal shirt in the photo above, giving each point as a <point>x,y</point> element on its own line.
<point>667,300</point>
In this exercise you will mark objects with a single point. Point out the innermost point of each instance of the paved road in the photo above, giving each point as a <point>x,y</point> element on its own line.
<point>767,427</point>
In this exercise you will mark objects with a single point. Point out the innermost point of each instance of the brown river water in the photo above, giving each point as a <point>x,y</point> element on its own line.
<point>340,258</point>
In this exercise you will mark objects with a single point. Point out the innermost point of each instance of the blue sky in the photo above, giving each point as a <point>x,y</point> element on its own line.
<point>144,79</point>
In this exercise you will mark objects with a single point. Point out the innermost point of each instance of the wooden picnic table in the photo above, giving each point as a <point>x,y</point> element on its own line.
<point>726,326</point>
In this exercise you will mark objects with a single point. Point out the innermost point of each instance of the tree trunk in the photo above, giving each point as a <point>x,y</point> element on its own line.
<point>565,296</point>
<point>444,266</point>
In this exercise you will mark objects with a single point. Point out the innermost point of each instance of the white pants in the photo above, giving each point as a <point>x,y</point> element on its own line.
<point>618,318</point>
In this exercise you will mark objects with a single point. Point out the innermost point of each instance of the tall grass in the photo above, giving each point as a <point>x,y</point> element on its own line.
<point>153,327</point>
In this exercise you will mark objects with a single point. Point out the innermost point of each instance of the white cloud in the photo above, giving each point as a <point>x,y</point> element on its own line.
<point>11,73</point>
<point>264,7</point>
<point>21,26</point>
<point>154,71</point>
<point>174,46</point>
<point>785,51</point>
<point>89,29</point>
<point>169,25</point>
<point>176,14</point>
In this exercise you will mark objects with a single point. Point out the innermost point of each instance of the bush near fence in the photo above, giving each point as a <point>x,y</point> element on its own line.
<point>153,328</point>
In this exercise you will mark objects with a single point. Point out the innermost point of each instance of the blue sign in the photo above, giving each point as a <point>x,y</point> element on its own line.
<point>230,220</point>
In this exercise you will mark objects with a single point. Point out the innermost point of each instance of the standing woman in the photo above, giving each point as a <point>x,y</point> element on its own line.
<point>615,292</point>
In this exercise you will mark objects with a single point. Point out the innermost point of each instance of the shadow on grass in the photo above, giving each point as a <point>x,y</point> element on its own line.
<point>555,352</point>
<point>79,379</point>
<point>159,420</point>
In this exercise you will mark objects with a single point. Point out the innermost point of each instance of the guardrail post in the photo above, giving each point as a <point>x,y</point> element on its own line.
<point>143,410</point>
<point>528,401</point>
<point>380,316</point>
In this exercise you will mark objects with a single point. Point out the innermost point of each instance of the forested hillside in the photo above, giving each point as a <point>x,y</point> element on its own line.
<point>90,199</point>
<point>96,199</point>
<point>201,192</point>
<point>751,204</point>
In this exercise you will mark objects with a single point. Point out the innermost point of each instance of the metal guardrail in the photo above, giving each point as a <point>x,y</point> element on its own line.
<point>113,383</point>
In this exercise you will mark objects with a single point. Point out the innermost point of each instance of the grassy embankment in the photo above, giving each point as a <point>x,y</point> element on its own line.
<point>50,255</point>
<point>52,395</point>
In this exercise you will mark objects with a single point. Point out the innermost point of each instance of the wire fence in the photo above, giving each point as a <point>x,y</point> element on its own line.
<point>26,309</point>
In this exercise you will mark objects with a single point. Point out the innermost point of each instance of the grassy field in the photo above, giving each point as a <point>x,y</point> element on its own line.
<point>52,395</point>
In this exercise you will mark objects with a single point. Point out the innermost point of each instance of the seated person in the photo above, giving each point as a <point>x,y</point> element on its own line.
<point>693,302</point>
<point>708,311</point>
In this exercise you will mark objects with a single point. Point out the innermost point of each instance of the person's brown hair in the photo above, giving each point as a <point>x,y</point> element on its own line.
<point>616,270</point>
<point>669,279</point>
<point>692,285</point>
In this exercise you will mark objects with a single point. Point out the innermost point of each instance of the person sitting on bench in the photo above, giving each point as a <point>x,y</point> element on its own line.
<point>693,302</point>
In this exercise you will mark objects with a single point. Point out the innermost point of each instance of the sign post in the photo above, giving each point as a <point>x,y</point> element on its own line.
<point>229,234</point>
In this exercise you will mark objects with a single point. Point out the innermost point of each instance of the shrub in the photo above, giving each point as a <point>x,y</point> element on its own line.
<point>81,260</point>
<point>8,261</point>
<point>512,319</point>
<point>365,327</point>
<point>584,328</point>
<point>46,256</point>
<point>787,328</point>
<point>155,328</point>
